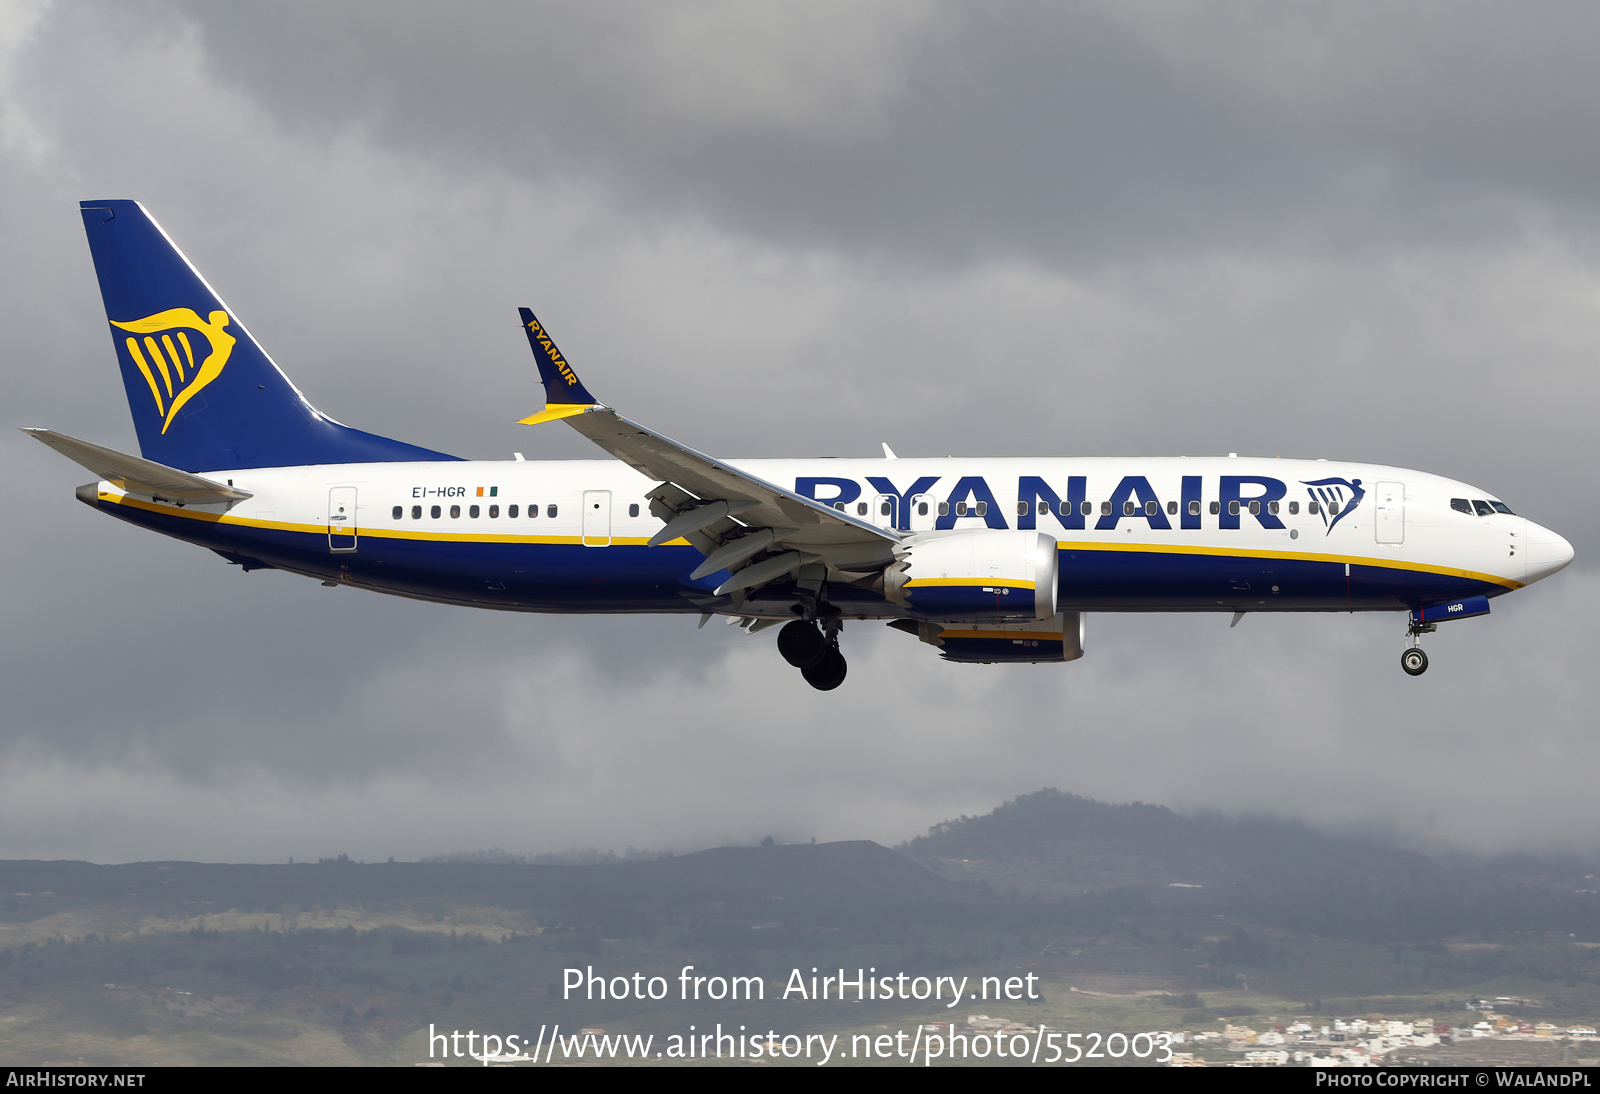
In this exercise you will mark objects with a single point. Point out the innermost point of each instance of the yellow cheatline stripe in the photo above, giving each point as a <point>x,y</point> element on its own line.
<point>1042,636</point>
<point>1292,556</point>
<point>970,583</point>
<point>371,533</point>
<point>552,411</point>
<point>149,377</point>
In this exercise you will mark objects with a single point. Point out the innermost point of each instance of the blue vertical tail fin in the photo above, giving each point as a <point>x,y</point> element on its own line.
<point>204,395</point>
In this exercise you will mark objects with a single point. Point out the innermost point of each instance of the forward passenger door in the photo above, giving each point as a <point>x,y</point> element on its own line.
<point>1391,512</point>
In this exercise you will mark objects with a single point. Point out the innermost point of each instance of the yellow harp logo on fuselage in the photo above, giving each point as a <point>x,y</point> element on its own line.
<point>166,355</point>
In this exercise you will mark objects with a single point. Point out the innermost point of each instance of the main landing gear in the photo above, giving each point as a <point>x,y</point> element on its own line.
<point>814,650</point>
<point>1413,660</point>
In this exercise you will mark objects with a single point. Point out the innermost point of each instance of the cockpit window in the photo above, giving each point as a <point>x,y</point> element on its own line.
<point>1482,507</point>
<point>1502,507</point>
<point>1461,505</point>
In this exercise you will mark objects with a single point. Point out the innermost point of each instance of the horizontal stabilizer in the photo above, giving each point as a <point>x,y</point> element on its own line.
<point>138,475</point>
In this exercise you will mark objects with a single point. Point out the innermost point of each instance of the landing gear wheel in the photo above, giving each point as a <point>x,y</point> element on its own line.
<point>802,644</point>
<point>1414,661</point>
<point>828,672</point>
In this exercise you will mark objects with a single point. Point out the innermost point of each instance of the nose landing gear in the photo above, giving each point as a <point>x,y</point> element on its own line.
<point>1413,661</point>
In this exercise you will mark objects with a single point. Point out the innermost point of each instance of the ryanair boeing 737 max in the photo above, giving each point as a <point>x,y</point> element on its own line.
<point>985,559</point>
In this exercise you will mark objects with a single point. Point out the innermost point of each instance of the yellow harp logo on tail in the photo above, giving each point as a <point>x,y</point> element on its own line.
<point>166,355</point>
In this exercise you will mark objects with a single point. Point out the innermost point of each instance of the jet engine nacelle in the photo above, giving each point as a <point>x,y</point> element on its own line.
<point>979,576</point>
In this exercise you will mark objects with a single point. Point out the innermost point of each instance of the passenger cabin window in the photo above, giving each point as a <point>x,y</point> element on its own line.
<point>1086,508</point>
<point>1151,508</point>
<point>1022,508</point>
<point>533,511</point>
<point>839,505</point>
<point>861,508</point>
<point>1194,509</point>
<point>473,512</point>
<point>1216,507</point>
<point>1127,508</point>
<point>397,511</point>
<point>550,511</point>
<point>1333,508</point>
<point>1065,507</point>
<point>1272,507</point>
<point>1502,507</point>
<point>1105,509</point>
<point>511,511</point>
<point>416,512</point>
<point>1172,508</point>
<point>434,512</point>
<point>1044,507</point>
<point>944,509</point>
<point>1233,508</point>
<point>1482,507</point>
<point>922,508</point>
<point>494,510</point>
<point>961,508</point>
<point>1461,505</point>
<point>1313,508</point>
<point>1255,508</point>
<point>1294,507</point>
<point>633,509</point>
<point>983,508</point>
<point>886,509</point>
<point>455,512</point>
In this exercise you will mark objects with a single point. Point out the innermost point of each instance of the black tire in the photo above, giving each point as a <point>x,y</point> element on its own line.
<point>802,644</point>
<point>827,673</point>
<point>1414,661</point>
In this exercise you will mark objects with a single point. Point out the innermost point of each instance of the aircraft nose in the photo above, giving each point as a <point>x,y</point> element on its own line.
<point>1547,552</point>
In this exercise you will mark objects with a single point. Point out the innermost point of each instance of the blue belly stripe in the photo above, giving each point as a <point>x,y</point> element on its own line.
<point>557,577</point>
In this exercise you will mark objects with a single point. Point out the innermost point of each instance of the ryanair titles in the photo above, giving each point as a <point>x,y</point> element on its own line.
<point>552,353</point>
<point>1229,501</point>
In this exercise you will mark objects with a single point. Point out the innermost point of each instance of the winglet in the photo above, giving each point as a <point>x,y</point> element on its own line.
<point>564,393</point>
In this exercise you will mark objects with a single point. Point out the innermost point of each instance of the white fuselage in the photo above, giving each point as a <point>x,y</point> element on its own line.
<point>1134,534</point>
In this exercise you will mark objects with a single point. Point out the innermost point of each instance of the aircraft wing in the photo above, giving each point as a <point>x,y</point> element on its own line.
<point>139,475</point>
<point>770,506</point>
<point>793,530</point>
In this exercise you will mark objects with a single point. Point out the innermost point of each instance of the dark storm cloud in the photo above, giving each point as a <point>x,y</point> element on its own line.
<point>1364,233</point>
<point>930,130</point>
<point>1069,133</point>
<point>1465,94</point>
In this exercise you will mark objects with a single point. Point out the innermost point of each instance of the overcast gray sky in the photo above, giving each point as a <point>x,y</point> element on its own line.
<point>1364,231</point>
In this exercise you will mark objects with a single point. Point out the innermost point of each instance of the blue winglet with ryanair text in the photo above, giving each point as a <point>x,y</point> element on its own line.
<point>564,393</point>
